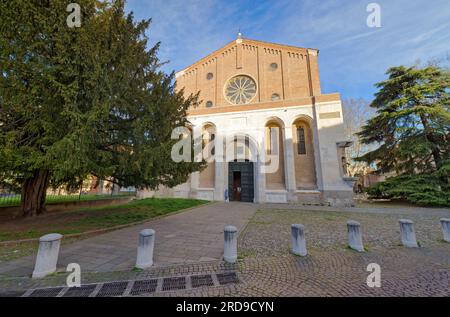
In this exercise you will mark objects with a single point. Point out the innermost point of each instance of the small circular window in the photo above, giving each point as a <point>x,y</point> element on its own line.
<point>209,76</point>
<point>276,97</point>
<point>274,66</point>
<point>209,104</point>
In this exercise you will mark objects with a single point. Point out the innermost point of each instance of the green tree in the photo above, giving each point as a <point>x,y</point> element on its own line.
<point>411,129</point>
<point>84,101</point>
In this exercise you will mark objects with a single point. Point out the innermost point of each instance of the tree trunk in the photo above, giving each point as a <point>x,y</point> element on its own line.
<point>436,151</point>
<point>34,191</point>
<point>115,189</point>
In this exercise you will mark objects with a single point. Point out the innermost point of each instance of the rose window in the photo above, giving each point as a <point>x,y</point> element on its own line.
<point>240,90</point>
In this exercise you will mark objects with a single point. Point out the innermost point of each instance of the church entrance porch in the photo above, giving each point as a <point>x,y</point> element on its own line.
<point>240,181</point>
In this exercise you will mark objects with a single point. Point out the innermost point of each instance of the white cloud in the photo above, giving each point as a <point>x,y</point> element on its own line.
<point>353,57</point>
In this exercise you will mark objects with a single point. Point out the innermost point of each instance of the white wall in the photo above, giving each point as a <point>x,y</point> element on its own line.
<point>326,133</point>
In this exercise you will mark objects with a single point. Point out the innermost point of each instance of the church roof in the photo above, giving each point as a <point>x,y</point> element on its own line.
<point>244,41</point>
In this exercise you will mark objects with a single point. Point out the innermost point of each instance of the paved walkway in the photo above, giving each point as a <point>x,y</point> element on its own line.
<point>188,237</point>
<point>265,267</point>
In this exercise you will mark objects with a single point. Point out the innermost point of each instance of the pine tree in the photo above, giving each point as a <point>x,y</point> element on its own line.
<point>412,130</point>
<point>84,101</point>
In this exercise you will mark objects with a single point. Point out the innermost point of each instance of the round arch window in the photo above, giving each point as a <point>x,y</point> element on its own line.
<point>209,76</point>
<point>240,90</point>
<point>274,66</point>
<point>209,104</point>
<point>276,97</point>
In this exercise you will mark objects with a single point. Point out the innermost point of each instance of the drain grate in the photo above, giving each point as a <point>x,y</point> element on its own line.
<point>202,280</point>
<point>112,289</point>
<point>139,287</point>
<point>227,278</point>
<point>83,291</point>
<point>46,292</point>
<point>143,287</point>
<point>173,283</point>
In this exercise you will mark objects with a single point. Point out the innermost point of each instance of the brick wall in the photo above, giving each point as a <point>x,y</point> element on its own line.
<point>290,72</point>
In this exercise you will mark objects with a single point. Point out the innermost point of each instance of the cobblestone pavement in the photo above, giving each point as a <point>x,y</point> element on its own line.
<point>192,236</point>
<point>268,232</point>
<point>331,269</point>
<point>267,268</point>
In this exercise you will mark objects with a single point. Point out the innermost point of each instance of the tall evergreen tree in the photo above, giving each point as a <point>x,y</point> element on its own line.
<point>412,129</point>
<point>84,101</point>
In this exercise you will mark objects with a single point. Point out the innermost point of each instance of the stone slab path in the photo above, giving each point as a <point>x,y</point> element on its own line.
<point>192,236</point>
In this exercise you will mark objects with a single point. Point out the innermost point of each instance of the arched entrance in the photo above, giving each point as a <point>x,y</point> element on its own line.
<point>242,158</point>
<point>241,181</point>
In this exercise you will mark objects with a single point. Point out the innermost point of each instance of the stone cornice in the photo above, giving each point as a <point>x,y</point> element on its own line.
<point>302,50</point>
<point>307,101</point>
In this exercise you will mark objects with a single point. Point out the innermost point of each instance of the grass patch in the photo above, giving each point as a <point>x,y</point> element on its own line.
<point>5,236</point>
<point>365,249</point>
<point>261,223</point>
<point>14,200</point>
<point>9,253</point>
<point>246,254</point>
<point>137,270</point>
<point>14,252</point>
<point>95,218</point>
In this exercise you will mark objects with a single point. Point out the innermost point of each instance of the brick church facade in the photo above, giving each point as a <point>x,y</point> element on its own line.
<point>262,102</point>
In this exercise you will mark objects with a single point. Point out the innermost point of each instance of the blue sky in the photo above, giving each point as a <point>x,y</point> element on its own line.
<point>353,57</point>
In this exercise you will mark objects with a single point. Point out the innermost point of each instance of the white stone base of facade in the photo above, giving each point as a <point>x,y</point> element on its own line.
<point>206,194</point>
<point>280,196</point>
<point>306,197</point>
<point>338,198</point>
<point>181,194</point>
<point>327,183</point>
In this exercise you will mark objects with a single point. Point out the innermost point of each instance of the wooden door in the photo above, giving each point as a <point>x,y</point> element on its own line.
<point>237,189</point>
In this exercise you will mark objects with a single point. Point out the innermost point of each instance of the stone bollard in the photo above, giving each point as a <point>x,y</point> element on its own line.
<point>407,233</point>
<point>355,236</point>
<point>298,240</point>
<point>47,255</point>
<point>445,225</point>
<point>230,244</point>
<point>145,249</point>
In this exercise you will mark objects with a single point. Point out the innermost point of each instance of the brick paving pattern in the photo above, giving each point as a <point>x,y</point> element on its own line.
<point>267,268</point>
<point>188,237</point>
